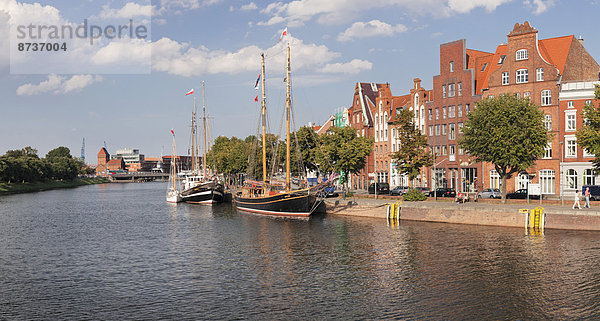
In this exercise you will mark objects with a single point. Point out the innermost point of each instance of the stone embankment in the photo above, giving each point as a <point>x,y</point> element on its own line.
<point>478,213</point>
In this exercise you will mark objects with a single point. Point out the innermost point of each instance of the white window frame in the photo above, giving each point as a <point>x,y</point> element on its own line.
<point>430,130</point>
<point>452,132</point>
<point>459,89</point>
<point>459,111</point>
<point>443,91</point>
<point>450,90</point>
<point>571,121</point>
<point>451,111</point>
<point>505,78</point>
<point>546,97</point>
<point>521,181</point>
<point>589,178</point>
<point>570,104</point>
<point>522,76</point>
<point>539,74</point>
<point>548,151</point>
<point>571,179</point>
<point>548,121</point>
<point>570,147</point>
<point>547,181</point>
<point>494,179</point>
<point>444,114</point>
<point>522,54</point>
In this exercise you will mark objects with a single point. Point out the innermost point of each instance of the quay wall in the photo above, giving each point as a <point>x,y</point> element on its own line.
<point>474,214</point>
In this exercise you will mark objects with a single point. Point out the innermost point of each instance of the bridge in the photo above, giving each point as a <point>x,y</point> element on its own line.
<point>138,177</point>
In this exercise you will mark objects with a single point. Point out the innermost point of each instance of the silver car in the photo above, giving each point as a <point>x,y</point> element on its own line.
<point>490,193</point>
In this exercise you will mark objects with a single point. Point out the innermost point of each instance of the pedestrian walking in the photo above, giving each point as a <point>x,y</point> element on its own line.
<point>587,195</point>
<point>577,197</point>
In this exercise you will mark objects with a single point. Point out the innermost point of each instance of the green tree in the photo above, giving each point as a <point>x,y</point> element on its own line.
<point>59,152</point>
<point>308,150</point>
<point>588,136</point>
<point>346,151</point>
<point>413,153</point>
<point>507,132</point>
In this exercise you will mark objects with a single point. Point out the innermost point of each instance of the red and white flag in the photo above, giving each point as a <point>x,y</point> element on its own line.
<point>256,98</point>
<point>172,132</point>
<point>190,92</point>
<point>283,33</point>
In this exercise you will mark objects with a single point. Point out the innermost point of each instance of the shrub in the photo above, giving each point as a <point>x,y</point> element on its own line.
<point>413,195</point>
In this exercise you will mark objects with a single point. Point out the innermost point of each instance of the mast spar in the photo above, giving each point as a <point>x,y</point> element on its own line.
<point>263,112</point>
<point>287,110</point>
<point>204,132</point>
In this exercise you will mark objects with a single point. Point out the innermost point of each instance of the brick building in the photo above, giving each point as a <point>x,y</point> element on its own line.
<point>103,158</point>
<point>575,162</point>
<point>529,67</point>
<point>455,93</point>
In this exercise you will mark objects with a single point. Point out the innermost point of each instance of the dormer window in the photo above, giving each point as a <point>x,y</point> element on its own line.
<point>484,65</point>
<point>522,54</point>
<point>501,60</point>
<point>373,87</point>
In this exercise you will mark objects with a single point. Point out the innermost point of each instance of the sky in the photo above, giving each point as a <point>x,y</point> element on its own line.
<point>130,92</point>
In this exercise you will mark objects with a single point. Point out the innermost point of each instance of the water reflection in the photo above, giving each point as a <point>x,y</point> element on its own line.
<point>121,252</point>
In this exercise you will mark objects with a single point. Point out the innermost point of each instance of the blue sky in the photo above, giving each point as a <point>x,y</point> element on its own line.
<point>335,44</point>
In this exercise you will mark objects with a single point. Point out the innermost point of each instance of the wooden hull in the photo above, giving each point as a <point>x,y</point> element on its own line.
<point>205,193</point>
<point>291,204</point>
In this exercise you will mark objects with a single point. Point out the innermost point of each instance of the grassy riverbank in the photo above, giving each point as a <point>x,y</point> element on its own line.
<point>16,188</point>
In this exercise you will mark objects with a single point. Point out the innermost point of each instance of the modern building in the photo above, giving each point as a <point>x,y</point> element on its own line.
<point>133,159</point>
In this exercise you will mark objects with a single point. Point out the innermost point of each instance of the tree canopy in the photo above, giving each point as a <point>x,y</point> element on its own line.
<point>413,153</point>
<point>24,165</point>
<point>507,132</point>
<point>588,136</point>
<point>345,151</point>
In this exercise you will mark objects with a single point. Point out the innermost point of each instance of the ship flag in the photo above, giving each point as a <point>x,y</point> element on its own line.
<point>190,92</point>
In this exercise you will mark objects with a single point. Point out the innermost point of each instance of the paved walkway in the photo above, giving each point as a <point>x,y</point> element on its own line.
<point>550,206</point>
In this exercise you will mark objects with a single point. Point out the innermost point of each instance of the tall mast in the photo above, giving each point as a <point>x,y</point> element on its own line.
<point>263,112</point>
<point>287,111</point>
<point>194,148</point>
<point>173,167</point>
<point>204,130</point>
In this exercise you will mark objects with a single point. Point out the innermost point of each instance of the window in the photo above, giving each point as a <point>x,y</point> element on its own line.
<point>522,76</point>
<point>548,122</point>
<point>459,110</point>
<point>483,67</point>
<point>443,91</point>
<point>444,112</point>
<point>526,94</point>
<point>588,102</point>
<point>494,179</point>
<point>452,154</point>
<point>444,150</point>
<point>460,128</point>
<point>451,90</point>
<point>546,97</point>
<point>518,95</point>
<point>467,108</point>
<point>430,114</point>
<point>451,66</point>
<point>461,151</point>
<point>570,104</point>
<point>437,150</point>
<point>587,154</point>
<point>459,90</point>
<point>539,74</point>
<point>570,120</point>
<point>548,151</point>
<point>430,130</point>
<point>452,132</point>
<point>571,178</point>
<point>501,60</point>
<point>547,181</point>
<point>588,177</point>
<point>505,78</point>
<point>522,54</point>
<point>451,112</point>
<point>437,113</point>
<point>437,130</point>
<point>521,181</point>
<point>571,150</point>
<point>444,127</point>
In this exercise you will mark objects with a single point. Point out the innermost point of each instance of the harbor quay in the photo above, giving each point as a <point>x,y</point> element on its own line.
<point>514,214</point>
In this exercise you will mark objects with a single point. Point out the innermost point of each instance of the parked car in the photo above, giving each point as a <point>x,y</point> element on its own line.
<point>399,190</point>
<point>490,193</point>
<point>330,192</point>
<point>382,188</point>
<point>594,192</point>
<point>443,192</point>
<point>424,190</point>
<point>521,194</point>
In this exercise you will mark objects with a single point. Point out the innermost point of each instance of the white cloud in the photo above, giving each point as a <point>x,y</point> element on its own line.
<point>58,85</point>
<point>298,12</point>
<point>182,59</point>
<point>539,6</point>
<point>373,28</point>
<point>353,67</point>
<point>249,6</point>
<point>129,10</point>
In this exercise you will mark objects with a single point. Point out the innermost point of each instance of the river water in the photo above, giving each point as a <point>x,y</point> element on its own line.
<point>120,252</point>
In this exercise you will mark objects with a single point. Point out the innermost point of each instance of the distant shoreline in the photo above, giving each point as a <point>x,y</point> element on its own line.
<point>18,188</point>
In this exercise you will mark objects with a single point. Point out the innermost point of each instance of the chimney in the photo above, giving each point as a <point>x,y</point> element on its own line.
<point>580,39</point>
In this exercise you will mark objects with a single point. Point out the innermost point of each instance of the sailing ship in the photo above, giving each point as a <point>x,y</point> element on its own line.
<point>173,194</point>
<point>198,187</point>
<point>271,197</point>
